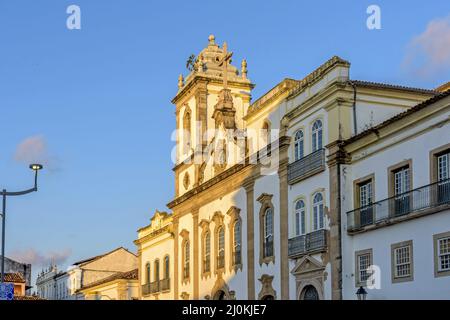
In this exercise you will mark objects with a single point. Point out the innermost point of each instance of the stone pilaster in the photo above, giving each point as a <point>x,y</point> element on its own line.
<point>176,270</point>
<point>140,271</point>
<point>249,188</point>
<point>336,157</point>
<point>284,219</point>
<point>196,270</point>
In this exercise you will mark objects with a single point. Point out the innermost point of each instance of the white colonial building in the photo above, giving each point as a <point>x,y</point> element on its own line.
<point>257,212</point>
<point>53,284</point>
<point>395,215</point>
<point>73,284</point>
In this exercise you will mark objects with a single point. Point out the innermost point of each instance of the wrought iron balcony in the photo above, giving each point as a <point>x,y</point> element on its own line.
<point>306,166</point>
<point>165,284</point>
<point>146,289</point>
<point>154,287</point>
<point>315,241</point>
<point>432,196</point>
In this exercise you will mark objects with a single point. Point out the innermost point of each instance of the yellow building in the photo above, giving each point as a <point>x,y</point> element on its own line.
<point>119,286</point>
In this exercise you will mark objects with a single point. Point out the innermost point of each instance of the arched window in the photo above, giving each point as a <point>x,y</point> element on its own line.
<point>318,211</point>
<point>300,218</point>
<point>237,243</point>
<point>186,131</point>
<point>317,135</point>
<point>268,233</point>
<point>166,267</point>
<point>186,260</point>
<point>298,145</point>
<point>221,248</point>
<point>207,253</point>
<point>156,270</point>
<point>147,272</point>
<point>265,137</point>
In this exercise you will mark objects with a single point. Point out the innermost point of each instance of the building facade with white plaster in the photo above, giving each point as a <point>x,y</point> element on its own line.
<point>67,285</point>
<point>395,215</point>
<point>256,212</point>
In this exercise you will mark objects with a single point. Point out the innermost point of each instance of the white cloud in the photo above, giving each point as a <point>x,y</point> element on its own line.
<point>37,258</point>
<point>34,150</point>
<point>428,53</point>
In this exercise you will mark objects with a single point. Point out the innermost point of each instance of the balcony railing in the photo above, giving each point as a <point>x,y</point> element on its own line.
<point>156,286</point>
<point>146,289</point>
<point>165,284</point>
<point>315,241</point>
<point>306,166</point>
<point>427,197</point>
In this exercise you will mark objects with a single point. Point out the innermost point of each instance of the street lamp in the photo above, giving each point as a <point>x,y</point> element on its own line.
<point>361,293</point>
<point>35,167</point>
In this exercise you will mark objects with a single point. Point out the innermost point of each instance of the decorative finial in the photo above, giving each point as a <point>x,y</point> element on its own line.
<point>180,81</point>
<point>244,69</point>
<point>200,63</point>
<point>212,40</point>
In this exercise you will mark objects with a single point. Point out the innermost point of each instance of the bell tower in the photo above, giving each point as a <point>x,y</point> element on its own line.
<point>214,94</point>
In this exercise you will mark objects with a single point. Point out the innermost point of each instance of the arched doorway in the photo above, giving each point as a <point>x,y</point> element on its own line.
<point>309,293</point>
<point>268,297</point>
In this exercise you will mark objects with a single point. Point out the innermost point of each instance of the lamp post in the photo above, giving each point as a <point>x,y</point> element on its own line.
<point>35,167</point>
<point>361,293</point>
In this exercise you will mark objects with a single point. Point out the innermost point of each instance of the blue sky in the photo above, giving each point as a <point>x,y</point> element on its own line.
<point>97,100</point>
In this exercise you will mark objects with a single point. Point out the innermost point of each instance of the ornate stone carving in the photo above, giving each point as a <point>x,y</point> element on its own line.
<point>309,272</point>
<point>224,111</point>
<point>180,81</point>
<point>267,290</point>
<point>184,296</point>
<point>186,181</point>
<point>221,290</point>
<point>244,69</point>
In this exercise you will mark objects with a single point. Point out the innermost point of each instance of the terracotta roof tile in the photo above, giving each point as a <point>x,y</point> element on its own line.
<point>380,85</point>
<point>14,277</point>
<point>129,275</point>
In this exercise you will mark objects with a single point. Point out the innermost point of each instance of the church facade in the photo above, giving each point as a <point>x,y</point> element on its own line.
<point>258,210</point>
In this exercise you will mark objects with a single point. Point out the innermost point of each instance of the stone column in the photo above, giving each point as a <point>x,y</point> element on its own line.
<point>175,258</point>
<point>336,157</point>
<point>177,179</point>
<point>249,185</point>
<point>140,271</point>
<point>196,255</point>
<point>284,220</point>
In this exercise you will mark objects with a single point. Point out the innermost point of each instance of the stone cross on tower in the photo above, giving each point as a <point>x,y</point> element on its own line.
<point>223,62</point>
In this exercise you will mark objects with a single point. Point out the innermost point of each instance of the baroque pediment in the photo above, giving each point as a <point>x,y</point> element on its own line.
<point>307,264</point>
